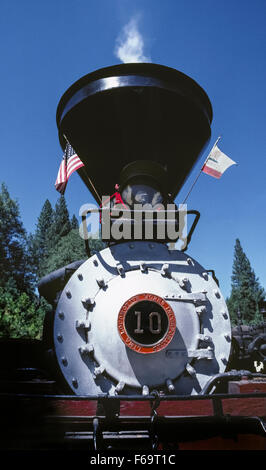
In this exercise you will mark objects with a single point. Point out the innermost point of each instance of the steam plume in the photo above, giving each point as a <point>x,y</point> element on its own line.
<point>130,44</point>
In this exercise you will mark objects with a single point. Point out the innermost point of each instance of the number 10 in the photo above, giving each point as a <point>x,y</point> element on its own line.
<point>152,328</point>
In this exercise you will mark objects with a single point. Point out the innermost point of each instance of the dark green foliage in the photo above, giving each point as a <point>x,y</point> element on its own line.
<point>44,224</point>
<point>246,291</point>
<point>41,241</point>
<point>61,225</point>
<point>69,248</point>
<point>14,259</point>
<point>74,222</point>
<point>21,314</point>
<point>24,259</point>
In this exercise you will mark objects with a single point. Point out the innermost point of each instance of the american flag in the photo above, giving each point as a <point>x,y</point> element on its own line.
<point>70,163</point>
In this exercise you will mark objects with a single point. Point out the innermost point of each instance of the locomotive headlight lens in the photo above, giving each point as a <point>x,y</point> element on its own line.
<point>141,194</point>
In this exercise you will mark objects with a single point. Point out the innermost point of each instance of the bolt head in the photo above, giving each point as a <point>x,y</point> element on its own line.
<point>74,382</point>
<point>64,361</point>
<point>224,359</point>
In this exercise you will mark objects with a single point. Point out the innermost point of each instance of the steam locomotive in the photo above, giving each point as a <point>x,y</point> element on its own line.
<point>139,315</point>
<point>138,351</point>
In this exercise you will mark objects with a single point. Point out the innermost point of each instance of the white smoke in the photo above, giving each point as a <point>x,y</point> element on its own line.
<point>130,44</point>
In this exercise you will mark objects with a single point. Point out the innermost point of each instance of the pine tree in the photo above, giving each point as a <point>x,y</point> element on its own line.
<point>68,249</point>
<point>14,260</point>
<point>41,242</point>
<point>21,314</point>
<point>61,225</point>
<point>74,222</point>
<point>44,224</point>
<point>246,291</point>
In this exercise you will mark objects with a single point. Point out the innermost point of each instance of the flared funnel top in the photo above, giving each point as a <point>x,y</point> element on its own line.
<point>130,112</point>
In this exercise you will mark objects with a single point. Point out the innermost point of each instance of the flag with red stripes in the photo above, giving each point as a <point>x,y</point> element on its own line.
<point>216,163</point>
<point>70,163</point>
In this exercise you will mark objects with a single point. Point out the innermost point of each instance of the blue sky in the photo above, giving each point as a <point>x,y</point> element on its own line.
<point>46,46</point>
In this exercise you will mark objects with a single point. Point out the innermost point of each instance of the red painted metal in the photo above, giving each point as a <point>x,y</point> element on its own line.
<point>247,386</point>
<point>70,408</point>
<point>242,442</point>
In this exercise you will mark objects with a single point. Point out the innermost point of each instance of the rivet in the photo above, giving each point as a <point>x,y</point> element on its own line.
<point>68,294</point>
<point>151,245</point>
<point>80,277</point>
<point>217,294</point>
<point>101,282</point>
<point>224,359</point>
<point>95,262</point>
<point>75,382</point>
<point>64,361</point>
<point>227,337</point>
<point>60,337</point>
<point>165,269</point>
<point>61,315</point>
<point>224,314</point>
<point>189,261</point>
<point>120,269</point>
<point>143,267</point>
<point>131,245</point>
<point>205,275</point>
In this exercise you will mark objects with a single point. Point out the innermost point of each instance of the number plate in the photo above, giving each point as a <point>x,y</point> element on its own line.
<point>146,323</point>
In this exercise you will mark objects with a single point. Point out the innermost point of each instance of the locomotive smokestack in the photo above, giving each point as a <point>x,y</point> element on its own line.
<point>138,112</point>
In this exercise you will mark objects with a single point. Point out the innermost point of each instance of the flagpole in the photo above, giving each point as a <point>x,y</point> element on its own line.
<point>197,177</point>
<point>89,180</point>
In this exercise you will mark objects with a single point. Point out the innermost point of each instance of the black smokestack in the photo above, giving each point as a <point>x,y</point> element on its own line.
<point>130,112</point>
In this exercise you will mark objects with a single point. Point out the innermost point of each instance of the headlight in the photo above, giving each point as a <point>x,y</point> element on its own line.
<point>141,194</point>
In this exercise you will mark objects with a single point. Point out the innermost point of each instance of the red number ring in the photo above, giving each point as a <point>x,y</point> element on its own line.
<point>129,342</point>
